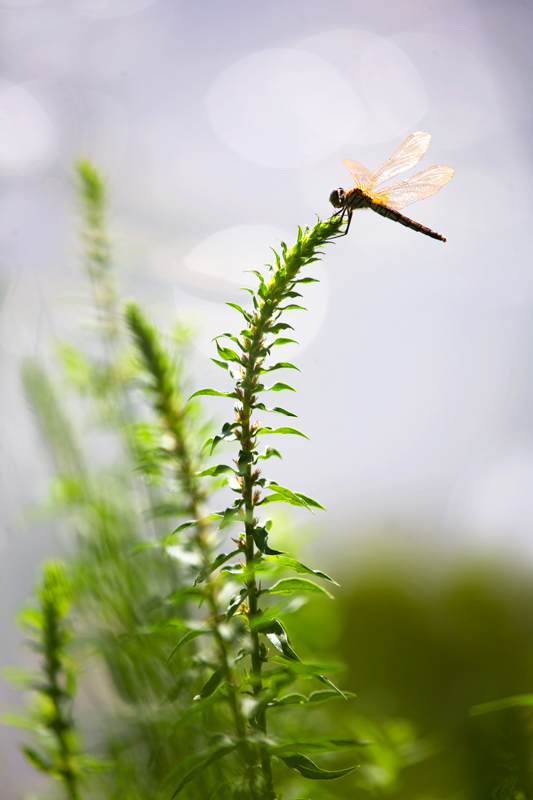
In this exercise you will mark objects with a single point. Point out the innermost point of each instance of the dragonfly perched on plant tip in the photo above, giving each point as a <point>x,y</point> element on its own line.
<point>389,200</point>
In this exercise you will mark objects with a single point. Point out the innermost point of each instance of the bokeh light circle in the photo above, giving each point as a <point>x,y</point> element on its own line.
<point>26,134</point>
<point>283,108</point>
<point>391,93</point>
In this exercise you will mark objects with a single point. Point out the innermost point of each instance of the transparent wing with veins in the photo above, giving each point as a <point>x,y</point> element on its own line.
<point>360,175</point>
<point>406,156</point>
<point>418,187</point>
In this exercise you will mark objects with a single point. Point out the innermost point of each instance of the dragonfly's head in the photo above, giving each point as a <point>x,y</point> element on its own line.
<point>338,198</point>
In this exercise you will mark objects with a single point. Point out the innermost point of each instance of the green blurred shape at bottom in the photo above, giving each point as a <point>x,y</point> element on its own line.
<point>423,649</point>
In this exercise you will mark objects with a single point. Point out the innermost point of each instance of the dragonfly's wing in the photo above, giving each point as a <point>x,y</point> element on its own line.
<point>420,186</point>
<point>406,156</point>
<point>360,174</point>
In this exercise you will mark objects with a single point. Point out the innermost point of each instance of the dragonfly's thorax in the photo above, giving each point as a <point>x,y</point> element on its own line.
<point>356,198</point>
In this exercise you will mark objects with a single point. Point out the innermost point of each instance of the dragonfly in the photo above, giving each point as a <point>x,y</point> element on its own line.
<point>391,199</point>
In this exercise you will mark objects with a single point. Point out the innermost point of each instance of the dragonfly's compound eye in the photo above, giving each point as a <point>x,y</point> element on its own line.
<point>337,198</point>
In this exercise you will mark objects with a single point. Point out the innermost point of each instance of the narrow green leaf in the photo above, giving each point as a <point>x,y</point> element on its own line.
<point>308,280</point>
<point>319,746</point>
<point>192,522</point>
<point>315,698</point>
<point>292,307</point>
<point>278,387</point>
<point>219,469</point>
<point>212,684</point>
<point>227,433</point>
<point>309,501</point>
<point>230,515</point>
<point>36,760</point>
<point>277,636</point>
<point>295,585</point>
<point>245,459</point>
<point>269,453</point>
<point>325,695</point>
<point>212,393</point>
<point>235,602</point>
<point>221,364</point>
<point>184,525</point>
<point>279,365</point>
<point>498,705</point>
<point>227,353</point>
<point>255,272</point>
<point>293,699</point>
<point>199,768</point>
<point>329,683</point>
<point>280,326</point>
<point>275,410</point>
<point>297,566</point>
<point>281,341</point>
<point>219,560</point>
<point>247,316</point>
<point>261,542</point>
<point>189,637</point>
<point>276,498</point>
<point>228,336</point>
<point>284,430</point>
<point>31,617</point>
<point>18,721</point>
<point>21,678</point>
<point>282,493</point>
<point>233,569</point>
<point>308,769</point>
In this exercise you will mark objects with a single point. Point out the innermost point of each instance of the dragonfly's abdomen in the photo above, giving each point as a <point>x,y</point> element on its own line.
<point>391,213</point>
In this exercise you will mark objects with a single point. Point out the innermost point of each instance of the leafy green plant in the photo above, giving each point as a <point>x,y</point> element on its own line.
<point>111,512</point>
<point>261,680</point>
<point>53,684</point>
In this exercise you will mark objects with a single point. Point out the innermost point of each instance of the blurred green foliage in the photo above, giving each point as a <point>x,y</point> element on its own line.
<point>423,646</point>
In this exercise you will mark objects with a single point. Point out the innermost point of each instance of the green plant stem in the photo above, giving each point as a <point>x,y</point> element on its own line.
<point>59,725</point>
<point>185,472</point>
<point>93,193</point>
<point>54,637</point>
<point>173,415</point>
<point>252,360</point>
<point>253,596</point>
<point>238,718</point>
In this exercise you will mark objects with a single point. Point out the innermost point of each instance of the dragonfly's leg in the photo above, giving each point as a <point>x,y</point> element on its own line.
<point>348,212</point>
